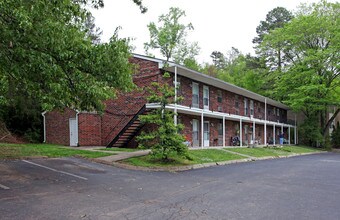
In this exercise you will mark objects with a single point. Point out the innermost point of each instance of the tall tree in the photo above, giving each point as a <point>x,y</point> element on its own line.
<point>242,70</point>
<point>276,18</point>
<point>45,54</point>
<point>218,59</point>
<point>310,82</point>
<point>164,139</point>
<point>91,30</point>
<point>170,37</point>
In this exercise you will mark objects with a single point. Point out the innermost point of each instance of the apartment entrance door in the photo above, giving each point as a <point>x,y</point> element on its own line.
<point>206,133</point>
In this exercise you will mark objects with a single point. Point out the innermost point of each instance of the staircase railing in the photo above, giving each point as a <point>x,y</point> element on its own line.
<point>135,117</point>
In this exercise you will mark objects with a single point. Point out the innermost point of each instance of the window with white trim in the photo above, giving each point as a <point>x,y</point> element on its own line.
<point>205,97</point>
<point>245,106</point>
<point>219,96</point>
<point>251,107</point>
<point>195,95</point>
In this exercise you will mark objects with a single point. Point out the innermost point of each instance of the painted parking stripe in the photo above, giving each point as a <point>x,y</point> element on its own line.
<point>3,187</point>
<point>58,171</point>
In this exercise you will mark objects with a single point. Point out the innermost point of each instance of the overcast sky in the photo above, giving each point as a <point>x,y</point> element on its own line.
<point>218,24</point>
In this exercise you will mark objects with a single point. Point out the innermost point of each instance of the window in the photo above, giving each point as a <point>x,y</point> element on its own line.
<point>251,107</point>
<point>236,101</point>
<point>274,112</point>
<point>219,96</point>
<point>277,112</point>
<point>206,97</point>
<point>178,84</point>
<point>245,106</point>
<point>195,95</point>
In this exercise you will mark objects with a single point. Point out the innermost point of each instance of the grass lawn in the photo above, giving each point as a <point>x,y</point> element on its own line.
<point>16,151</point>
<point>300,149</point>
<point>119,149</point>
<point>274,151</point>
<point>198,157</point>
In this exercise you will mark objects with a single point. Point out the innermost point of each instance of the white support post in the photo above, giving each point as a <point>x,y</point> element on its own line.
<point>295,137</point>
<point>175,110</point>
<point>265,121</point>
<point>223,124</point>
<point>202,130</point>
<point>274,135</point>
<point>240,132</point>
<point>282,131</point>
<point>289,135</point>
<point>254,135</point>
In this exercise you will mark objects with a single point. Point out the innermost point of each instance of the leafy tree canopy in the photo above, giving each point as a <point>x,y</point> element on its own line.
<point>46,54</point>
<point>310,81</point>
<point>170,37</point>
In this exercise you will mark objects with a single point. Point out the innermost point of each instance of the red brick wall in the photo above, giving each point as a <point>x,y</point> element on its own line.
<point>121,110</point>
<point>57,126</point>
<point>228,101</point>
<point>100,130</point>
<point>89,129</point>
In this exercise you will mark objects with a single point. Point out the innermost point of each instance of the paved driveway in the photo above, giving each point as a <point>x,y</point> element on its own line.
<point>305,187</point>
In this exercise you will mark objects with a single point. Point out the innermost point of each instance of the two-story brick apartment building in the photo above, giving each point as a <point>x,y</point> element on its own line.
<point>212,111</point>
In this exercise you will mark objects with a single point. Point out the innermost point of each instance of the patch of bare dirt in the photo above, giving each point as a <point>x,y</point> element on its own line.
<point>7,137</point>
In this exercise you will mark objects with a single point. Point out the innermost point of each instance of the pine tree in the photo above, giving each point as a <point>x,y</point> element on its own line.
<point>163,137</point>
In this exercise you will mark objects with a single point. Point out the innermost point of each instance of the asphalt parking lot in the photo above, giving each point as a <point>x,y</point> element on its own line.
<point>304,187</point>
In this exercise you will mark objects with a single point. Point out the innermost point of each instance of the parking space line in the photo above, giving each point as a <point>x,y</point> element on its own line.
<point>3,186</point>
<point>58,171</point>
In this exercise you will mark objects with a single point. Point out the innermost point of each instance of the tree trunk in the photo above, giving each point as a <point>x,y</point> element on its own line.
<point>328,124</point>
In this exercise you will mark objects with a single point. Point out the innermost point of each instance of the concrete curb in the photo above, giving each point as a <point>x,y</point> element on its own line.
<point>204,165</point>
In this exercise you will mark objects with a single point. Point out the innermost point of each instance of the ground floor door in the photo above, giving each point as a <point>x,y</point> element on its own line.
<point>206,133</point>
<point>73,132</point>
<point>195,132</point>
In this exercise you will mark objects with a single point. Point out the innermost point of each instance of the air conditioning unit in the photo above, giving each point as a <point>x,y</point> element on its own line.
<point>219,108</point>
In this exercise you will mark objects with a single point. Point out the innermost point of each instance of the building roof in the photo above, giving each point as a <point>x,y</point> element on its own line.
<point>209,80</point>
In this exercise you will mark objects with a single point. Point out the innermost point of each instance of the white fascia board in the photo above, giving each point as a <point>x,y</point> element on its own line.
<point>212,114</point>
<point>161,62</point>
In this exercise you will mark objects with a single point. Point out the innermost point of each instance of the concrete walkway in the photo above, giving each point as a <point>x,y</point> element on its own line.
<point>118,155</point>
<point>121,156</point>
<point>243,155</point>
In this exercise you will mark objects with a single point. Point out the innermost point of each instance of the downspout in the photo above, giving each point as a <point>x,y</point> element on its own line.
<point>44,125</point>
<point>241,133</point>
<point>175,110</point>
<point>265,121</point>
<point>295,133</point>
<point>77,113</point>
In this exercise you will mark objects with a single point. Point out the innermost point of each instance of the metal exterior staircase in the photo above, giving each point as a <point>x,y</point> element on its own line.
<point>129,131</point>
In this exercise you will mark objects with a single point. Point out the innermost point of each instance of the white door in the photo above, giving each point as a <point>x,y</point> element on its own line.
<point>195,132</point>
<point>205,97</point>
<point>206,133</point>
<point>73,132</point>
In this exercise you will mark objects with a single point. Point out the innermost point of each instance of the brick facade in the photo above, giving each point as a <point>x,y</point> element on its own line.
<point>94,129</point>
<point>57,126</point>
